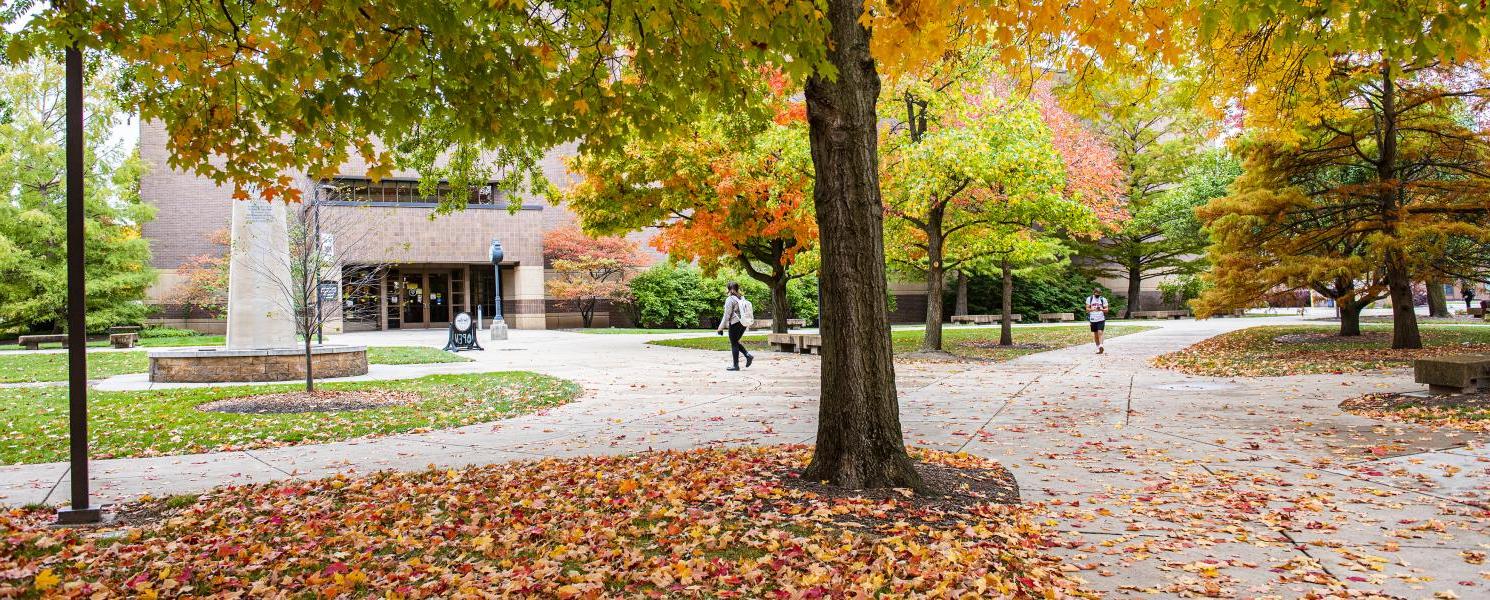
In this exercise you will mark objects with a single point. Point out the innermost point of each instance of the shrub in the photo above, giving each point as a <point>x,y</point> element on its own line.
<point>1064,290</point>
<point>166,332</point>
<point>672,294</point>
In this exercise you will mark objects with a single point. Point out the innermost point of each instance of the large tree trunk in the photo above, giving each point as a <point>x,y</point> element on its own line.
<point>1135,288</point>
<point>1404,318</point>
<point>859,439</point>
<point>780,307</point>
<point>961,307</point>
<point>935,281</point>
<point>1350,316</point>
<point>1006,326</point>
<point>1399,280</point>
<point>1438,303</point>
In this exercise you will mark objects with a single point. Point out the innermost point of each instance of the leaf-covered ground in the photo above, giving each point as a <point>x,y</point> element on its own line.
<point>969,342</point>
<point>157,422</point>
<point>1470,412</point>
<point>23,367</point>
<point>695,524</point>
<point>1313,349</point>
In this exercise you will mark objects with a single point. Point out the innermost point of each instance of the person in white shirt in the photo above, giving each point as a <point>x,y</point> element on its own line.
<point>1096,315</point>
<point>736,311</point>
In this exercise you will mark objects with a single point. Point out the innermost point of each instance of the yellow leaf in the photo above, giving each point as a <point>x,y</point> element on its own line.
<point>46,580</point>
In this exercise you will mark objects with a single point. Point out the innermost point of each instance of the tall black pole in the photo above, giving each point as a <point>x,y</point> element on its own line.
<point>77,303</point>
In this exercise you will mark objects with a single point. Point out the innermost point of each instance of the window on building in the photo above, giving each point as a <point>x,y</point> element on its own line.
<point>399,191</point>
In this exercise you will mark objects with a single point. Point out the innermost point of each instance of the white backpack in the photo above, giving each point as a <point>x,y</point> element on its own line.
<point>747,311</point>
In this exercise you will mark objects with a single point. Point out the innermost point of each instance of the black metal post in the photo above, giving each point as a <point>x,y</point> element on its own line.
<point>320,255</point>
<point>77,304</point>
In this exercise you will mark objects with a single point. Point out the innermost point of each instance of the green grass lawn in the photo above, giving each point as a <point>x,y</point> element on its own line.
<point>19,367</point>
<point>971,342</point>
<point>635,330</point>
<point>152,423</point>
<point>1312,349</point>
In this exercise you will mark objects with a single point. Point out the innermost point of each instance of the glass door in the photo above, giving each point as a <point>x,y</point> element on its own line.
<point>437,295</point>
<point>415,305</point>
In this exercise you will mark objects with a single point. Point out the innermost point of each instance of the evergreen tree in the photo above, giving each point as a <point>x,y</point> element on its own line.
<point>33,207</point>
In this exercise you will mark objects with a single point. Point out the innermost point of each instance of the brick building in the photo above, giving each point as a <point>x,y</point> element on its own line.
<point>432,266</point>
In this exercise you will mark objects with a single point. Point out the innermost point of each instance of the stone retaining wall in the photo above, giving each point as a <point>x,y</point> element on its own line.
<point>221,365</point>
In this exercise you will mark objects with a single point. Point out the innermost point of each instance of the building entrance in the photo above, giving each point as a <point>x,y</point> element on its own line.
<point>425,298</point>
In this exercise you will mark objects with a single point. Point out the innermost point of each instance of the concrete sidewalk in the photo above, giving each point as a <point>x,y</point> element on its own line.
<point>1157,482</point>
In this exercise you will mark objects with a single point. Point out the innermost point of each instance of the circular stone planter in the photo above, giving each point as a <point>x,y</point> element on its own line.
<point>220,365</point>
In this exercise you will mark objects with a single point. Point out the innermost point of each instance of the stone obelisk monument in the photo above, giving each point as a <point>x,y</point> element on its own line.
<point>259,278</point>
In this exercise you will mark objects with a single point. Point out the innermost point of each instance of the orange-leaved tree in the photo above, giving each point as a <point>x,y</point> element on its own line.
<point>590,270</point>
<point>728,189</point>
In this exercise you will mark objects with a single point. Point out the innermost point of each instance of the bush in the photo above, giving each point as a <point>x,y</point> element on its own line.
<point>1064,290</point>
<point>166,332</point>
<point>679,295</point>
<point>1179,292</point>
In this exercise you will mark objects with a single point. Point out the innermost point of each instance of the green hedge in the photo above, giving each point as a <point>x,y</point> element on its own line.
<point>680,295</point>
<point>1065,290</point>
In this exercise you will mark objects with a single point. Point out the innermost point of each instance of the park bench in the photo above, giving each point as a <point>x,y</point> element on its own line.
<point>804,343</point>
<point>983,319</point>
<point>124,339</point>
<point>767,323</point>
<point>1456,374</point>
<point>34,342</point>
<point>1476,312</point>
<point>1056,317</point>
<point>1160,314</point>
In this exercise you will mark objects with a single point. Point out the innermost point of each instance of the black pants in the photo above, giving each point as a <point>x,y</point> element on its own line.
<point>736,331</point>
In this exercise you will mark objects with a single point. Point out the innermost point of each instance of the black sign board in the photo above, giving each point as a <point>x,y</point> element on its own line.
<point>462,334</point>
<point>328,291</point>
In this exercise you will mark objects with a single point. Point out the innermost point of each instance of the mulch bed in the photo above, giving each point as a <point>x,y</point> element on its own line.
<point>955,490</point>
<point>1370,337</point>
<point>302,402</point>
<point>1461,411</point>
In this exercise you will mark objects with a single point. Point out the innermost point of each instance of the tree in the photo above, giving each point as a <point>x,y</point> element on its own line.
<point>33,284</point>
<point>590,270</point>
<point>204,280</point>
<point>1159,136</point>
<point>1391,169</point>
<point>976,180</point>
<point>726,190</point>
<point>1380,94</point>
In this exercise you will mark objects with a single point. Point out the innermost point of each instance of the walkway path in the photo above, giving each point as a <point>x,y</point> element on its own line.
<point>1153,480</point>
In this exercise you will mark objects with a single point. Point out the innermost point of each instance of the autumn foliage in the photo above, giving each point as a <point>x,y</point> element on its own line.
<point>589,270</point>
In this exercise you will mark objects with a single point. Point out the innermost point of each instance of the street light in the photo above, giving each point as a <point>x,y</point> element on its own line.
<point>498,325</point>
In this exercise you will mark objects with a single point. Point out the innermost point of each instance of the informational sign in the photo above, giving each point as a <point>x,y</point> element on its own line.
<point>462,334</point>
<point>328,291</point>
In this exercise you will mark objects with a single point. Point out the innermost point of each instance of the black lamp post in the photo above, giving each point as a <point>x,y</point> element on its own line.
<point>498,325</point>
<point>77,304</point>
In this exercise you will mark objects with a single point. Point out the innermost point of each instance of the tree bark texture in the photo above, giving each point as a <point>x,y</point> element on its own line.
<point>1350,316</point>
<point>1006,326</point>
<point>780,306</point>
<point>1438,302</point>
<point>1399,278</point>
<point>1135,291</point>
<point>935,280</point>
<point>859,438</point>
<point>961,307</point>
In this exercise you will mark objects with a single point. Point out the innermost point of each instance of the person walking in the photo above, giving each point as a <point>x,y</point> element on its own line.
<point>1468,297</point>
<point>1096,315</point>
<point>738,313</point>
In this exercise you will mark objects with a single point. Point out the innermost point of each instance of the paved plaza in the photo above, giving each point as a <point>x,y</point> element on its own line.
<point>1153,481</point>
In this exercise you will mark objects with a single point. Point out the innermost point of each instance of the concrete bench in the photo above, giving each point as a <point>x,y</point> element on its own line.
<point>803,343</point>
<point>767,323</point>
<point>34,342</point>
<point>1056,317</point>
<point>1160,314</point>
<point>124,340</point>
<point>983,319</point>
<point>124,329</point>
<point>1457,374</point>
<point>1476,312</point>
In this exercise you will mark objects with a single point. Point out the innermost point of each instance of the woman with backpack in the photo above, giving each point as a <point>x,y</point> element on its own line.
<point>738,314</point>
